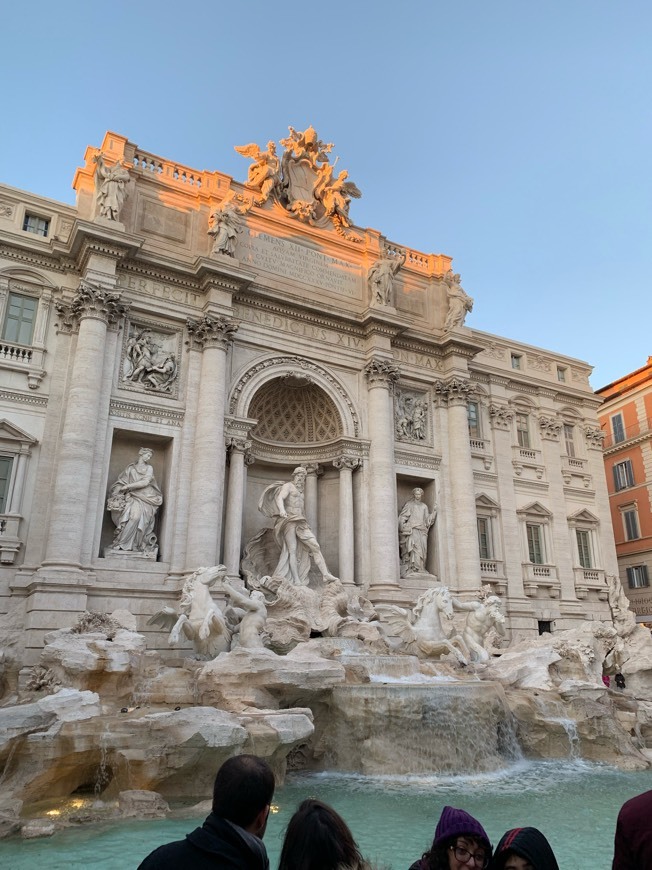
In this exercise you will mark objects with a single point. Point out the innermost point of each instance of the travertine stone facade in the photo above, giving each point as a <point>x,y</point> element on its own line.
<point>236,351</point>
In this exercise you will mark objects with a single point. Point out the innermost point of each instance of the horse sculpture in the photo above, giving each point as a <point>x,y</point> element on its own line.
<point>421,630</point>
<point>199,617</point>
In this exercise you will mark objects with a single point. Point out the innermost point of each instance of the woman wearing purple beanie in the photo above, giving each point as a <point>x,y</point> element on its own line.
<point>460,843</point>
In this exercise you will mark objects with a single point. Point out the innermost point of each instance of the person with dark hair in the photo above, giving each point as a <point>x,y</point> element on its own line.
<point>524,849</point>
<point>317,838</point>
<point>231,836</point>
<point>460,843</point>
<point>633,840</point>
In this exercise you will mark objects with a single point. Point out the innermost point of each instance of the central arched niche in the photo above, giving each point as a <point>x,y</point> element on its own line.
<point>295,418</point>
<point>292,410</point>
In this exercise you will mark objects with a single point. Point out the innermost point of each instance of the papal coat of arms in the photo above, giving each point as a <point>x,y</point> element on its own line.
<point>303,181</point>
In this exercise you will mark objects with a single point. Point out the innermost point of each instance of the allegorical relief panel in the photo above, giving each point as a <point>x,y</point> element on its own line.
<point>150,359</point>
<point>411,416</point>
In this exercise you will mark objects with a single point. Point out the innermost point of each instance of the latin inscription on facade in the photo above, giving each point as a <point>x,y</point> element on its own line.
<point>304,265</point>
<point>283,323</point>
<point>158,288</point>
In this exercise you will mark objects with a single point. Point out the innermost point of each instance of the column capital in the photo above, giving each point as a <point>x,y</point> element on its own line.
<point>313,468</point>
<point>501,416</point>
<point>91,302</point>
<point>350,462</point>
<point>211,332</point>
<point>594,437</point>
<point>550,428</point>
<point>381,372</point>
<point>456,391</point>
<point>237,445</point>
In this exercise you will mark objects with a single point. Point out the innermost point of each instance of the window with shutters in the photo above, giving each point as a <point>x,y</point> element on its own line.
<point>637,576</point>
<point>623,474</point>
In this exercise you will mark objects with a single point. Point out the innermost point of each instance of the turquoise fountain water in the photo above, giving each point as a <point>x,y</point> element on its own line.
<point>392,817</point>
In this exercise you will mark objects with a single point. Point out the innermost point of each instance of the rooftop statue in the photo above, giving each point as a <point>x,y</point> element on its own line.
<point>199,617</point>
<point>110,188</point>
<point>224,226</point>
<point>459,302</point>
<point>422,630</point>
<point>381,276</point>
<point>303,181</point>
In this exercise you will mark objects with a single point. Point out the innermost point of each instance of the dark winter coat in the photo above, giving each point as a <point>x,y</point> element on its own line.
<point>528,843</point>
<point>217,843</point>
<point>633,841</point>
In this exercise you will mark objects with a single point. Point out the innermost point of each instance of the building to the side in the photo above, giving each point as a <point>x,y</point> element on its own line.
<point>626,418</point>
<point>220,334</point>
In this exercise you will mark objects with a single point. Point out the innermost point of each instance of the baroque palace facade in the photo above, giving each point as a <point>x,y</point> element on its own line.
<point>198,338</point>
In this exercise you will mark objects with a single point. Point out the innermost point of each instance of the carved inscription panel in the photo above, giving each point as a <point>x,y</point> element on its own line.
<point>298,263</point>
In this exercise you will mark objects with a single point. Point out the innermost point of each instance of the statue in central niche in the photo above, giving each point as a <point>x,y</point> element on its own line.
<point>284,503</point>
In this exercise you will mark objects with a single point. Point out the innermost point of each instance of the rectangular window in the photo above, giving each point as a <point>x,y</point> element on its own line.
<point>630,523</point>
<point>584,547</point>
<point>569,440</point>
<point>20,317</point>
<point>37,225</point>
<point>535,543</point>
<point>473,414</point>
<point>484,538</point>
<point>516,361</point>
<point>637,577</point>
<point>623,475</point>
<point>561,374</point>
<point>522,430</point>
<point>617,428</point>
<point>5,477</point>
<point>545,626</point>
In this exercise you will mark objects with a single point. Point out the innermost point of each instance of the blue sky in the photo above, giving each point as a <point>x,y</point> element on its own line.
<point>514,136</point>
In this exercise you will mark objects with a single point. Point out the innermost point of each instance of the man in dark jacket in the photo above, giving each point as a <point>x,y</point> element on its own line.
<point>231,836</point>
<point>633,841</point>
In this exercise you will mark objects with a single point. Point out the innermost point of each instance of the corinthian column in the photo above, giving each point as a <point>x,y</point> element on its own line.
<point>93,309</point>
<point>381,375</point>
<point>455,395</point>
<point>346,466</point>
<point>211,335</point>
<point>238,449</point>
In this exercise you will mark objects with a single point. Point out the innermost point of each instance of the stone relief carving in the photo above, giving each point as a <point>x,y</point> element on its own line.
<point>224,224</point>
<point>414,521</point>
<point>380,277</point>
<point>284,503</point>
<point>110,188</point>
<point>134,501</point>
<point>302,182</point>
<point>459,302</point>
<point>494,350</point>
<point>550,428</point>
<point>427,630</point>
<point>150,360</point>
<point>6,209</point>
<point>411,416</point>
<point>501,416</point>
<point>198,616</point>
<point>539,362</point>
<point>483,617</point>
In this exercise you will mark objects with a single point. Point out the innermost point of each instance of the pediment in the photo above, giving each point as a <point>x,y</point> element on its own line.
<point>485,501</point>
<point>11,435</point>
<point>535,509</point>
<point>583,516</point>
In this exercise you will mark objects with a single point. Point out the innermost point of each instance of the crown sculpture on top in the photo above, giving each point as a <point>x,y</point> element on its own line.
<point>302,181</point>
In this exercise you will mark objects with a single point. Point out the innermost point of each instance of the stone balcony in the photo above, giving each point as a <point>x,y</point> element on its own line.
<point>574,467</point>
<point>21,358</point>
<point>527,458</point>
<point>492,572</point>
<point>10,542</point>
<point>537,577</point>
<point>590,580</point>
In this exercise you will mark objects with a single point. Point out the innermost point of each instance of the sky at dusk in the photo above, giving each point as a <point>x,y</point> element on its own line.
<point>514,136</point>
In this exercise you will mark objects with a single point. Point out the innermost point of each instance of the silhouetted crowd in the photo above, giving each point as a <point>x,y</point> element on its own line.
<point>318,838</point>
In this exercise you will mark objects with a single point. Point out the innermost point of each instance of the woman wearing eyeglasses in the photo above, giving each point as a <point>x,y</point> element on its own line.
<point>460,843</point>
<point>524,849</point>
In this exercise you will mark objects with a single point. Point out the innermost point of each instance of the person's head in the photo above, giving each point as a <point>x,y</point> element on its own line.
<point>317,838</point>
<point>524,849</point>
<point>460,843</point>
<point>243,791</point>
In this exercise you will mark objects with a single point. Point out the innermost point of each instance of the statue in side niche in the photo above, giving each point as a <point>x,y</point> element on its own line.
<point>381,277</point>
<point>427,630</point>
<point>414,522</point>
<point>459,302</point>
<point>110,187</point>
<point>224,226</point>
<point>483,616</point>
<point>134,501</point>
<point>264,174</point>
<point>199,617</point>
<point>284,503</point>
